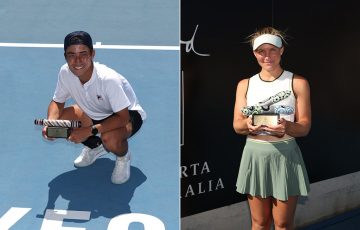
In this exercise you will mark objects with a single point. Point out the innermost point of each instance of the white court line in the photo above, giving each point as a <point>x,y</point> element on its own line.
<point>97,45</point>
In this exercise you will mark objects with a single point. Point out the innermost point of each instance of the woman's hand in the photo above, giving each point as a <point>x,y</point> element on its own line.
<point>278,130</point>
<point>254,130</point>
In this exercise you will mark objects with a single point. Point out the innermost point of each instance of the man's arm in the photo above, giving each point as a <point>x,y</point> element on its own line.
<point>120,120</point>
<point>55,110</point>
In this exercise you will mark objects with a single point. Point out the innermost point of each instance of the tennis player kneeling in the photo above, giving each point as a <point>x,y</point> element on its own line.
<point>105,103</point>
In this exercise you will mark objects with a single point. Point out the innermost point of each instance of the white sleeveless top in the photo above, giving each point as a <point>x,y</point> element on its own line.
<point>259,90</point>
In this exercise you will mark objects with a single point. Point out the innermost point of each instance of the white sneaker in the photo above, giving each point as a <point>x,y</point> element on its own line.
<point>88,156</point>
<point>121,172</point>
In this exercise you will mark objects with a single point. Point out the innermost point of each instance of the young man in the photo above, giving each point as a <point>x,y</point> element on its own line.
<point>105,103</point>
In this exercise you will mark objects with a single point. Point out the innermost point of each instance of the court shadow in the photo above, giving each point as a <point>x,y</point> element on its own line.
<point>90,189</point>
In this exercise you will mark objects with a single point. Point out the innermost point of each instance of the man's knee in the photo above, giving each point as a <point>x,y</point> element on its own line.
<point>73,112</point>
<point>115,145</point>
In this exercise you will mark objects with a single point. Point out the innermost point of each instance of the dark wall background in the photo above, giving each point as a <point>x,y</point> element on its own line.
<point>323,47</point>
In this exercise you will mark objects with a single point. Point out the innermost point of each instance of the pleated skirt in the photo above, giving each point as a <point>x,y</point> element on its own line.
<point>272,169</point>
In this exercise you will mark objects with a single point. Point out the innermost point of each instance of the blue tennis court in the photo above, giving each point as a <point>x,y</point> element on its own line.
<point>40,188</point>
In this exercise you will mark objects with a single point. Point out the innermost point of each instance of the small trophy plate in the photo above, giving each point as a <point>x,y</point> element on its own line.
<point>265,119</point>
<point>58,132</point>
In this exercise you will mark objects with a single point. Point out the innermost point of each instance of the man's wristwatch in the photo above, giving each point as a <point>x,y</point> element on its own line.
<point>94,130</point>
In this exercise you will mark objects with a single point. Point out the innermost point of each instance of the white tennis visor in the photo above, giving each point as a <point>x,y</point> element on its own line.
<point>269,39</point>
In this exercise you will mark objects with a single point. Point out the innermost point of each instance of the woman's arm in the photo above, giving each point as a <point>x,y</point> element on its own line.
<point>240,121</point>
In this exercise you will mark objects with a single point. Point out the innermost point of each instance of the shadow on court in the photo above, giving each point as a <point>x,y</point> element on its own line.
<point>90,189</point>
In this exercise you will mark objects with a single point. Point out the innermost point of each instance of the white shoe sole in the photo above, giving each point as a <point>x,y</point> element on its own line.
<point>120,182</point>
<point>80,165</point>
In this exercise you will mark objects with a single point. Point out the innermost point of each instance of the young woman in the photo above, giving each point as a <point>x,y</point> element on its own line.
<point>272,171</point>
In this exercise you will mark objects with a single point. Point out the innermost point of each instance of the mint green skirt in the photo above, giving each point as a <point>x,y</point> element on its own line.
<point>272,169</point>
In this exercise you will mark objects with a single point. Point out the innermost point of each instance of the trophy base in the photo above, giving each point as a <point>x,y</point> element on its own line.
<point>58,132</point>
<point>265,119</point>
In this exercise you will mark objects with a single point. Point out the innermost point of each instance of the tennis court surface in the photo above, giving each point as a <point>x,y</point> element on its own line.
<point>40,188</point>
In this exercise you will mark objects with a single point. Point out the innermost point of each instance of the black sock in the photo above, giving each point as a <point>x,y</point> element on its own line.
<point>93,142</point>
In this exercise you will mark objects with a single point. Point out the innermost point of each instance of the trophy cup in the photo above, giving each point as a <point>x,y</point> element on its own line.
<point>265,112</point>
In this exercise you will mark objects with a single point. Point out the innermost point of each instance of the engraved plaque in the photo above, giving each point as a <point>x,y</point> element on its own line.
<point>265,119</point>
